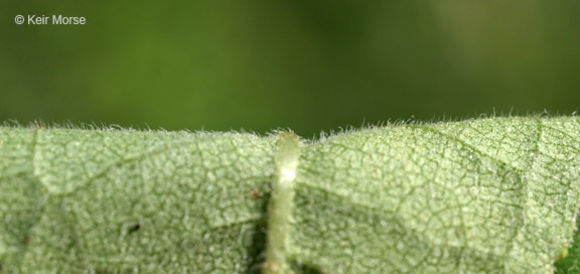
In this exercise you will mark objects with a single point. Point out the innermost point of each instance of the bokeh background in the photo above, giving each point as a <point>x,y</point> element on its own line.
<point>310,65</point>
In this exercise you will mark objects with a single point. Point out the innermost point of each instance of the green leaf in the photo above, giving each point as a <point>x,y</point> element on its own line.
<point>488,195</point>
<point>571,262</point>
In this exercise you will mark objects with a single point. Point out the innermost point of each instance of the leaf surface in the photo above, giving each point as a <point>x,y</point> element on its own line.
<point>487,195</point>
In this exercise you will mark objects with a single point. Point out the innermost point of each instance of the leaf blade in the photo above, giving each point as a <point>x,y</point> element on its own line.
<point>488,195</point>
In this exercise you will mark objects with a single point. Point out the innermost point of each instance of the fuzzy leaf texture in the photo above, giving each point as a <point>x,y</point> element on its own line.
<point>494,195</point>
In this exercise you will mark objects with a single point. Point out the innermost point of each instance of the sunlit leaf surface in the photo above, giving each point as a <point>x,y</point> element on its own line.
<point>488,195</point>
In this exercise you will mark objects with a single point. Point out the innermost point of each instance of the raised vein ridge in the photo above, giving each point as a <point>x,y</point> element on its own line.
<point>281,203</point>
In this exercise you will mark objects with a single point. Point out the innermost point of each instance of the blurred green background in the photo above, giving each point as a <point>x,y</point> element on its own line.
<point>307,65</point>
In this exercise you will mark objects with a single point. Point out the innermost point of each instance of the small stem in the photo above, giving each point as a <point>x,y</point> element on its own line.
<point>281,203</point>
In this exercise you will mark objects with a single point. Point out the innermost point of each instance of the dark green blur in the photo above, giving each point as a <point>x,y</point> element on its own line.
<point>307,65</point>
